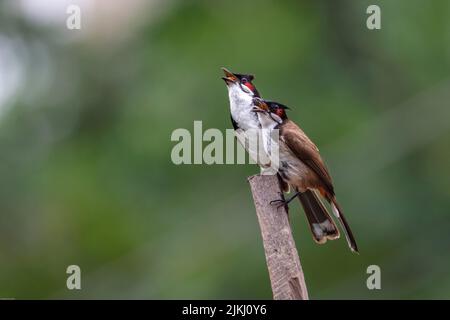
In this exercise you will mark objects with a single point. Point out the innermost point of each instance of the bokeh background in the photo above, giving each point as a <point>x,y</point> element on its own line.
<point>86,118</point>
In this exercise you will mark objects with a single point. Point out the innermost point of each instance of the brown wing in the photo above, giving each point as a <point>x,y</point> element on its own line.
<point>306,151</point>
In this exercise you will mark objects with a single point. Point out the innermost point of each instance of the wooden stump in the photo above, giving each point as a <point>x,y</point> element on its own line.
<point>283,262</point>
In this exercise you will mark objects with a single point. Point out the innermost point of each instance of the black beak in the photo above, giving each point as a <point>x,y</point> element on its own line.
<point>260,105</point>
<point>257,109</point>
<point>229,76</point>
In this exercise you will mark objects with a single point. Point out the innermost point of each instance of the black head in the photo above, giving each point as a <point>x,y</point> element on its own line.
<point>278,109</point>
<point>244,81</point>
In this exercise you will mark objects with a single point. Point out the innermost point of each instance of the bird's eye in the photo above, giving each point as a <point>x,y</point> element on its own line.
<point>244,80</point>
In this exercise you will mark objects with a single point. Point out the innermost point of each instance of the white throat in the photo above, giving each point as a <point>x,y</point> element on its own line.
<point>241,104</point>
<point>267,126</point>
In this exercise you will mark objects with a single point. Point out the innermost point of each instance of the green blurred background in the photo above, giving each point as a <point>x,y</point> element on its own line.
<point>86,118</point>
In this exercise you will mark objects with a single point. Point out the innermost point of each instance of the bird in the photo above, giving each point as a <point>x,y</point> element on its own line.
<point>241,92</point>
<point>302,167</point>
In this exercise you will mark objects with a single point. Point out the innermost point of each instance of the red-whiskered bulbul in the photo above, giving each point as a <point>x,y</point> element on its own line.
<point>301,166</point>
<point>241,92</point>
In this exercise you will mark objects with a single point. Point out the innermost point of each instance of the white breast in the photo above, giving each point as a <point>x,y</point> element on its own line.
<point>241,105</point>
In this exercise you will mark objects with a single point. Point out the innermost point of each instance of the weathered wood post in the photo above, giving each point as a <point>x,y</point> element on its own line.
<point>285,270</point>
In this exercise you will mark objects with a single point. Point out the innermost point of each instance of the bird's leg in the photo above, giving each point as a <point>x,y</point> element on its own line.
<point>284,202</point>
<point>281,202</point>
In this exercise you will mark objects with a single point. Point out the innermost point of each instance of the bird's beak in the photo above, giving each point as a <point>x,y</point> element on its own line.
<point>260,105</point>
<point>229,76</point>
<point>256,109</point>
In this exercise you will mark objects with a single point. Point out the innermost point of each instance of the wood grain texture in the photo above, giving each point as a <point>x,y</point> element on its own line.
<point>285,271</point>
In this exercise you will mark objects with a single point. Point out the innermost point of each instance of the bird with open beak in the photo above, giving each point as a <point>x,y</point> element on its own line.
<point>301,166</point>
<point>241,92</point>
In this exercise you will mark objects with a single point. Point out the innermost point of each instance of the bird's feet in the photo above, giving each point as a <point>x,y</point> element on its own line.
<point>280,202</point>
<point>283,202</point>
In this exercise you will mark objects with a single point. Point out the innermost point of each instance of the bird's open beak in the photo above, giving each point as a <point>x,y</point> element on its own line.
<point>257,109</point>
<point>229,76</point>
<point>260,105</point>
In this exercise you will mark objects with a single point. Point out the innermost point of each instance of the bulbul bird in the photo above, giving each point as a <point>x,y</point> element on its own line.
<point>241,92</point>
<point>301,166</point>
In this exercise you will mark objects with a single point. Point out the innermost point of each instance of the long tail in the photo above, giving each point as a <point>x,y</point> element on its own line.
<point>344,224</point>
<point>321,224</point>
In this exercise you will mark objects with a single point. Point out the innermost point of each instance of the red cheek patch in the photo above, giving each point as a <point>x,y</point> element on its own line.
<point>250,86</point>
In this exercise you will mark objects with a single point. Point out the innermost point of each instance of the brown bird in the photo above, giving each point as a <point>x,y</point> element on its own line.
<point>301,166</point>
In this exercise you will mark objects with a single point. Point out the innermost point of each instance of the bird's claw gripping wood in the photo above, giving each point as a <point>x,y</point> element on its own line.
<point>284,202</point>
<point>281,203</point>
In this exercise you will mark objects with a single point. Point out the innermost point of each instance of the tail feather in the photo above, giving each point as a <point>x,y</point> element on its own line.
<point>344,224</point>
<point>321,224</point>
